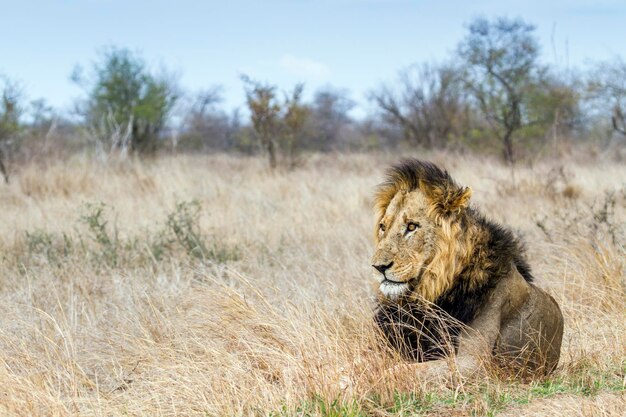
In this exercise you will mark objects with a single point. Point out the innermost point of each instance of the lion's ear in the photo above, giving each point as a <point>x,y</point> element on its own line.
<point>449,198</point>
<point>459,200</point>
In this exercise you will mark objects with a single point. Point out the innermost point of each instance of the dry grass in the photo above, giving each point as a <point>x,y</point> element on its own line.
<point>263,303</point>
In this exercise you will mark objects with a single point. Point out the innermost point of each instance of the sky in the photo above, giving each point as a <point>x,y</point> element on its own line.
<point>355,45</point>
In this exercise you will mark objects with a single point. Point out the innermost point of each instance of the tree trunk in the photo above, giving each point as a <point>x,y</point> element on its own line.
<point>508,148</point>
<point>271,150</point>
<point>3,168</point>
<point>616,125</point>
<point>4,172</point>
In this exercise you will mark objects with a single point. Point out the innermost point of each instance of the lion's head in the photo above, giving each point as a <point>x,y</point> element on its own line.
<point>419,244</point>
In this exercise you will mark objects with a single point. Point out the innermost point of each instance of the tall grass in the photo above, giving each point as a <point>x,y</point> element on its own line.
<point>209,286</point>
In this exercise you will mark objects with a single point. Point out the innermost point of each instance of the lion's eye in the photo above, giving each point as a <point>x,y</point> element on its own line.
<point>381,227</point>
<point>410,227</point>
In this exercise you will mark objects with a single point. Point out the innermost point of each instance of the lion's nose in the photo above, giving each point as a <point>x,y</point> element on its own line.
<point>382,268</point>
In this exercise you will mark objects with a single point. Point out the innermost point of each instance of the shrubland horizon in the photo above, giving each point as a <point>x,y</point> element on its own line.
<point>492,94</point>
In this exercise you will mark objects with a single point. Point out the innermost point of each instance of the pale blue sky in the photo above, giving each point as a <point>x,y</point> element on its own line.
<point>354,44</point>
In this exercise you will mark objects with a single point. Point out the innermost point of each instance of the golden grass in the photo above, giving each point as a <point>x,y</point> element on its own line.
<point>284,325</point>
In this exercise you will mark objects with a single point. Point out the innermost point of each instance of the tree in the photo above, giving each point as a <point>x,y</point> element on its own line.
<point>429,106</point>
<point>607,85</point>
<point>264,114</point>
<point>329,116</point>
<point>126,102</point>
<point>206,126</point>
<point>554,105</point>
<point>294,121</point>
<point>10,124</point>
<point>500,57</point>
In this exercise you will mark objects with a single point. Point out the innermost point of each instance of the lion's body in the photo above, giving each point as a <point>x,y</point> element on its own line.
<point>457,282</point>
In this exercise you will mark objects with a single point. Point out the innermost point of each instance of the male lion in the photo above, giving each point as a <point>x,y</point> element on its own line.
<point>450,280</point>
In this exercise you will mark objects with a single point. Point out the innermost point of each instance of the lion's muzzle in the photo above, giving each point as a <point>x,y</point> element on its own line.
<point>382,268</point>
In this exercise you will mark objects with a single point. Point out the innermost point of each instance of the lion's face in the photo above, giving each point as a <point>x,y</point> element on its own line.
<point>419,239</point>
<point>405,243</point>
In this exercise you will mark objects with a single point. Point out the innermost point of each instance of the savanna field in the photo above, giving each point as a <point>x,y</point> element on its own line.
<point>208,285</point>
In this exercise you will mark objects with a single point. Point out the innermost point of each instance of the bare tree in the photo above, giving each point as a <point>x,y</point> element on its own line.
<point>429,104</point>
<point>607,86</point>
<point>501,61</point>
<point>206,126</point>
<point>110,136</point>
<point>329,117</point>
<point>264,114</point>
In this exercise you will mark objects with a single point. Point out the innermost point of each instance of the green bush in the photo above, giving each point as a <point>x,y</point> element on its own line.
<point>127,105</point>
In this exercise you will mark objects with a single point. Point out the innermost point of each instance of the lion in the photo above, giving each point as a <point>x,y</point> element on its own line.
<point>454,285</point>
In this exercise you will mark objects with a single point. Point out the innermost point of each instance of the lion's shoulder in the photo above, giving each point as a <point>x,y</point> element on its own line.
<point>494,257</point>
<point>503,248</point>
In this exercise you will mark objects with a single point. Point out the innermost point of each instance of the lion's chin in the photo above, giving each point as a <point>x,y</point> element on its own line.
<point>394,290</point>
